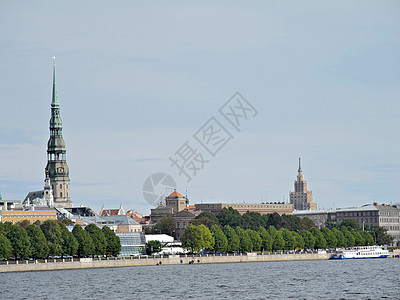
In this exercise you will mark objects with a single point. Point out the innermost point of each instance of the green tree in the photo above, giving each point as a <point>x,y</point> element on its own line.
<point>53,236</point>
<point>229,216</point>
<point>330,237</point>
<point>69,244</point>
<point>288,238</point>
<point>369,240</point>
<point>113,241</point>
<point>39,247</point>
<point>341,240</point>
<point>350,224</point>
<point>67,222</point>
<point>298,240</point>
<point>252,220</point>
<point>266,239</point>
<point>309,239</point>
<point>279,241</point>
<point>85,242</point>
<point>24,224</point>
<point>153,247</point>
<point>275,220</point>
<point>197,237</point>
<point>272,232</point>
<point>221,242</point>
<point>165,226</point>
<point>232,237</point>
<point>320,242</point>
<point>208,238</point>
<point>358,238</point>
<point>191,238</point>
<point>291,223</point>
<point>98,238</point>
<point>206,218</point>
<point>350,240</point>
<point>307,224</point>
<point>255,238</point>
<point>380,235</point>
<point>5,247</point>
<point>244,240</point>
<point>19,241</point>
<point>5,227</point>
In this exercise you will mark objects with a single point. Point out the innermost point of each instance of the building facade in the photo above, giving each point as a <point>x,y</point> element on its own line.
<point>262,208</point>
<point>319,217</point>
<point>301,198</point>
<point>176,202</point>
<point>17,216</point>
<point>132,243</point>
<point>118,224</point>
<point>387,216</point>
<point>182,220</point>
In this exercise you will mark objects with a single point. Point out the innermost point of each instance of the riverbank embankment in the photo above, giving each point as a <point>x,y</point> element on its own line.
<point>87,263</point>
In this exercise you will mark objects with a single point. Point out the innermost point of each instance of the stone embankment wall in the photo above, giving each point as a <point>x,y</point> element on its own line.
<point>23,266</point>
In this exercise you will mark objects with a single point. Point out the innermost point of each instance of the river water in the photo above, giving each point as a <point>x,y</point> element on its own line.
<point>339,279</point>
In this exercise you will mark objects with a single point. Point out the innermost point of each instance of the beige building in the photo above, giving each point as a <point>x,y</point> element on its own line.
<point>262,208</point>
<point>301,198</point>
<point>176,202</point>
<point>16,216</point>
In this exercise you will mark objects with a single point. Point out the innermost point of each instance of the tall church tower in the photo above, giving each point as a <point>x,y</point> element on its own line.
<point>301,198</point>
<point>57,169</point>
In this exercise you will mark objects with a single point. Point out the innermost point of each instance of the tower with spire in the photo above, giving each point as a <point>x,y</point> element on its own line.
<point>301,198</point>
<point>57,168</point>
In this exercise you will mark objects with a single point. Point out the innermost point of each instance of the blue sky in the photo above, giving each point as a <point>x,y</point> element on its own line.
<point>136,80</point>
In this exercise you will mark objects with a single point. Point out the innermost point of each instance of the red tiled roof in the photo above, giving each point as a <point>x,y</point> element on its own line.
<point>110,212</point>
<point>175,194</point>
<point>133,214</point>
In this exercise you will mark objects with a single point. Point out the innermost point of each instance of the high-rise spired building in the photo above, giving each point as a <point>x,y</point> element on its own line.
<point>301,198</point>
<point>57,169</point>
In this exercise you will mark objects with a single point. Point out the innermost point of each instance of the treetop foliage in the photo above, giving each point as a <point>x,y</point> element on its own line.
<point>52,238</point>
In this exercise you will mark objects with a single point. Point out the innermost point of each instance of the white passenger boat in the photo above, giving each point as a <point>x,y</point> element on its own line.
<point>361,252</point>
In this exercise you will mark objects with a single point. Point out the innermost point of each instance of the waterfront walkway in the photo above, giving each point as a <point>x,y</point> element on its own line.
<point>85,263</point>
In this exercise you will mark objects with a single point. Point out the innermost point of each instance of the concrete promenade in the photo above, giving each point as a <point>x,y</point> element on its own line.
<point>87,263</point>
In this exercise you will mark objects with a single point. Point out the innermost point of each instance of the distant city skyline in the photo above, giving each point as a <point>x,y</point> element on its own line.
<point>138,80</point>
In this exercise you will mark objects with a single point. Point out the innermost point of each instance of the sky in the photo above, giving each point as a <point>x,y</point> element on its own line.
<point>141,83</point>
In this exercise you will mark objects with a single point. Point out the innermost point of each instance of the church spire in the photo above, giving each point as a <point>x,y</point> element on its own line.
<point>57,168</point>
<point>54,101</point>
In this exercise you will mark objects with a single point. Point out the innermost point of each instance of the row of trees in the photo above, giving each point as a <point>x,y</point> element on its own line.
<point>231,217</point>
<point>253,220</point>
<point>52,238</point>
<point>228,239</point>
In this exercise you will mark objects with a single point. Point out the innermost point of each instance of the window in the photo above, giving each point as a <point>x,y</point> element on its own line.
<point>178,225</point>
<point>60,186</point>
